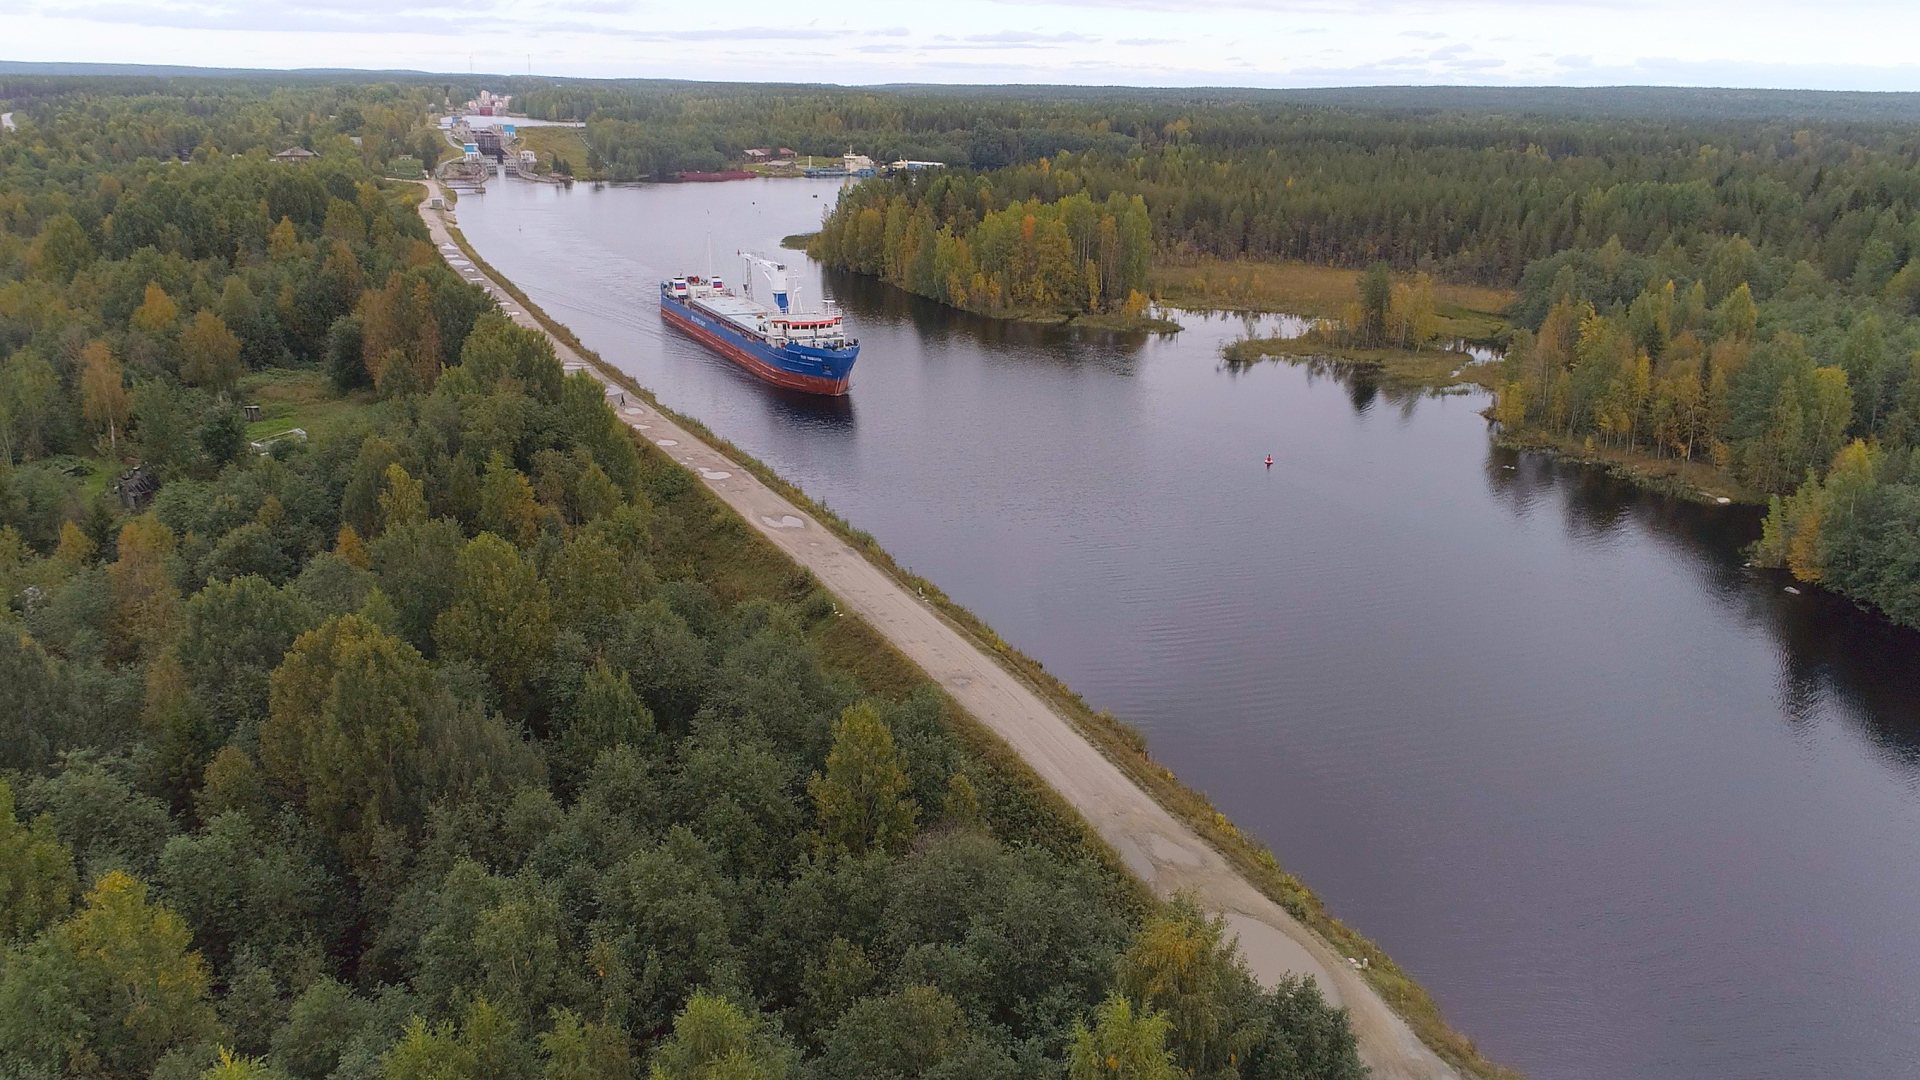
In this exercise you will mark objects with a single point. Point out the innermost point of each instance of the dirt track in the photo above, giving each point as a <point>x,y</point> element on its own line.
<point>1161,850</point>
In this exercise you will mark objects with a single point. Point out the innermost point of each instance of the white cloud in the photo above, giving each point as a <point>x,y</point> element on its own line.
<point>1852,44</point>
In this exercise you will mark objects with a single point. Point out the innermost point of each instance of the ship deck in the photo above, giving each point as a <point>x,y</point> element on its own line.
<point>737,310</point>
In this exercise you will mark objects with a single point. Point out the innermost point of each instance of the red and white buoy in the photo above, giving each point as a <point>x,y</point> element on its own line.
<point>1269,461</point>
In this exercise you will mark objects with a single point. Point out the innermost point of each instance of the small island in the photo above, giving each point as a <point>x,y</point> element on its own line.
<point>1057,256</point>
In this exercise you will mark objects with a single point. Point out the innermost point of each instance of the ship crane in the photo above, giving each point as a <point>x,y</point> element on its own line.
<point>776,275</point>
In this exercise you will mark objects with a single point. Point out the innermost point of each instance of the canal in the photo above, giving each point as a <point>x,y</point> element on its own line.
<point>1626,807</point>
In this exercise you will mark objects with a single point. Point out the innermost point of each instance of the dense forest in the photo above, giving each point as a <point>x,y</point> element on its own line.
<point>470,737</point>
<point>1742,294</point>
<point>957,239</point>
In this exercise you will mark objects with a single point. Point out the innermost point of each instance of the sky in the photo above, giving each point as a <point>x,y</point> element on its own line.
<point>1830,45</point>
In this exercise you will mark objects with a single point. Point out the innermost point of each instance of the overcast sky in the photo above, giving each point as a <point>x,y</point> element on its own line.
<point>1838,44</point>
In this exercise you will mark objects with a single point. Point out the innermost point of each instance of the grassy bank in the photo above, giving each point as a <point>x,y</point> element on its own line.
<point>1414,368</point>
<point>1099,320</point>
<point>1438,369</point>
<point>1116,740</point>
<point>1696,481</point>
<point>567,142</point>
<point>1473,312</point>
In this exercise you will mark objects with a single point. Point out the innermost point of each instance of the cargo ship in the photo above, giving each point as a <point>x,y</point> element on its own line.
<point>807,352</point>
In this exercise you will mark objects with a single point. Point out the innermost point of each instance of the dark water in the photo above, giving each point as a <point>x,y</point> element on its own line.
<point>1625,807</point>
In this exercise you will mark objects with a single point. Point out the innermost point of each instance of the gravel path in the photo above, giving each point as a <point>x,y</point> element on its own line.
<point>1158,848</point>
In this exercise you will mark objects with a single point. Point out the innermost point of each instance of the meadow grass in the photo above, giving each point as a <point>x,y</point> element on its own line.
<point>1424,368</point>
<point>297,399</point>
<point>568,142</point>
<point>1473,312</point>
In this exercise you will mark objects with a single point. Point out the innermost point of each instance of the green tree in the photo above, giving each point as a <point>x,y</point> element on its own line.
<point>428,1053</point>
<point>61,250</point>
<point>248,888</point>
<point>210,353</point>
<point>418,569</point>
<point>1181,964</point>
<point>320,1024</point>
<point>606,712</point>
<point>343,730</point>
<point>1776,458</point>
<point>1122,1045</point>
<point>579,1049</point>
<point>500,616</point>
<point>1868,364</point>
<point>403,500</point>
<point>36,874</point>
<point>239,1067</point>
<point>37,695</point>
<point>507,505</point>
<point>908,1034</point>
<point>1305,1038</point>
<point>1376,304</point>
<point>713,1039</point>
<point>107,992</point>
<point>859,801</point>
<point>29,403</point>
<point>346,362</point>
<point>1828,414</point>
<point>236,633</point>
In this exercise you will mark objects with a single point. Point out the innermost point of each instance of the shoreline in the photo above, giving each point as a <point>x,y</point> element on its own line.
<point>1409,1039</point>
<point>1442,371</point>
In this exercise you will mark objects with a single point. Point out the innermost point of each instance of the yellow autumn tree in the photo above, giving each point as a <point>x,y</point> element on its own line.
<point>283,242</point>
<point>210,353</point>
<point>146,605</point>
<point>350,547</point>
<point>157,312</point>
<point>129,987</point>
<point>104,401</point>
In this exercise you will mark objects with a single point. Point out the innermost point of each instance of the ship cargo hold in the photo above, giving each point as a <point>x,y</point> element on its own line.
<point>809,352</point>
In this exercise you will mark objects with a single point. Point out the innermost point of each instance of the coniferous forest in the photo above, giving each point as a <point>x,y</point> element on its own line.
<point>469,737</point>
<point>1743,294</point>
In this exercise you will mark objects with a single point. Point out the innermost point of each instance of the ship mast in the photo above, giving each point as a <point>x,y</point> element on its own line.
<point>776,279</point>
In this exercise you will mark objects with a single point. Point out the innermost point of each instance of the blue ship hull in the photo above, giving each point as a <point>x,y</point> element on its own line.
<point>796,367</point>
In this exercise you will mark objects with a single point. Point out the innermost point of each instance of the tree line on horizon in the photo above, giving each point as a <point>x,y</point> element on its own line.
<point>471,739</point>
<point>1738,294</point>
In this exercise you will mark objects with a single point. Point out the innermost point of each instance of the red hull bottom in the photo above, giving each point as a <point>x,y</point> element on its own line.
<point>808,384</point>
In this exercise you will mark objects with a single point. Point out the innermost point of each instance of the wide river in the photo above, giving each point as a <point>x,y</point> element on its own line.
<point>1626,808</point>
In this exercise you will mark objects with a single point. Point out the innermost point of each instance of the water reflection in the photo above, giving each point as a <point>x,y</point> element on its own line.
<point>1625,806</point>
<point>867,300</point>
<point>1836,656</point>
<point>833,416</point>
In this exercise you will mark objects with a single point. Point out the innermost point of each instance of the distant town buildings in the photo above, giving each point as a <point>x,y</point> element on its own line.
<point>489,104</point>
<point>295,155</point>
